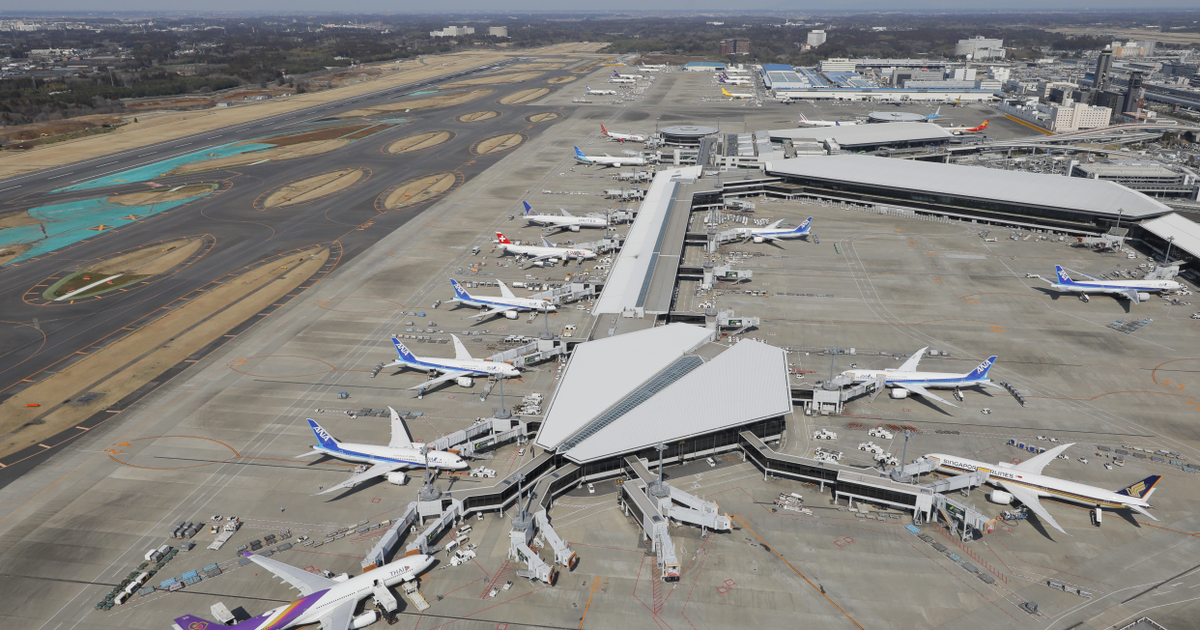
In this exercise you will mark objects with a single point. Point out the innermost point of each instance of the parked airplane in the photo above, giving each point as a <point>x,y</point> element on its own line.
<point>1132,290</point>
<point>620,79</point>
<point>547,251</point>
<point>323,600</point>
<point>724,78</point>
<point>507,303</point>
<point>906,378</point>
<point>773,232</point>
<point>400,454</point>
<point>566,221</point>
<point>599,92</point>
<point>645,68</point>
<point>828,123</point>
<point>736,94</point>
<point>463,365</point>
<point>618,75</point>
<point>623,137</point>
<point>934,114</point>
<point>1026,483</point>
<point>608,160</point>
<point>652,66</point>
<point>958,131</point>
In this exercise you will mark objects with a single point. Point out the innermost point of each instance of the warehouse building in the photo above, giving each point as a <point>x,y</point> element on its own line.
<point>1150,178</point>
<point>854,138</point>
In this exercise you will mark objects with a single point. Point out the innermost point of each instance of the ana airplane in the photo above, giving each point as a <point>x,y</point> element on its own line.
<point>958,131</point>
<point>906,378</point>
<point>463,365</point>
<point>623,137</point>
<point>507,303</point>
<point>548,251</point>
<point>323,600</point>
<point>773,232</point>
<point>618,75</point>
<point>828,123</point>
<point>400,454</point>
<point>724,78</point>
<point>608,160</point>
<point>599,92</point>
<point>736,94</point>
<point>566,221</point>
<point>1026,483</point>
<point>1133,290</point>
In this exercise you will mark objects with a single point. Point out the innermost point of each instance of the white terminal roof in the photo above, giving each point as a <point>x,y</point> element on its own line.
<point>1184,231</point>
<point>975,182</point>
<point>603,409</point>
<point>625,281</point>
<point>875,133</point>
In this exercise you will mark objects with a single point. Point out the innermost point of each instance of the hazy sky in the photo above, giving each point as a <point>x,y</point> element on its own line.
<point>497,6</point>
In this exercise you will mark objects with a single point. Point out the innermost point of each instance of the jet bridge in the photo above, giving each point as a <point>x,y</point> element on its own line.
<point>691,509</point>
<point>424,543</point>
<point>559,481</point>
<point>377,556</point>
<point>520,537</point>
<point>635,502</point>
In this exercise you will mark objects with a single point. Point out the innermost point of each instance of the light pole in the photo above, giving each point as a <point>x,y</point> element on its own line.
<point>657,487</point>
<point>1170,242</point>
<point>1119,213</point>
<point>904,457</point>
<point>504,414</point>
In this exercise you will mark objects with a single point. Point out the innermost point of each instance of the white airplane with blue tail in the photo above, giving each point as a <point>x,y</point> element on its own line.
<point>400,454</point>
<point>773,232</point>
<point>906,379</point>
<point>507,303</point>
<point>1135,291</point>
<point>463,365</point>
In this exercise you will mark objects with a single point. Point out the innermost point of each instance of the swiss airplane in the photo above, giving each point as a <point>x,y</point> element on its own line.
<point>623,137</point>
<point>599,92</point>
<point>906,378</point>
<point>463,365</point>
<point>958,131</point>
<point>400,454</point>
<point>507,303</point>
<point>566,221</point>
<point>736,94</point>
<point>773,232</point>
<point>828,123</point>
<point>1026,483</point>
<point>608,160</point>
<point>1133,290</point>
<point>326,601</point>
<point>548,251</point>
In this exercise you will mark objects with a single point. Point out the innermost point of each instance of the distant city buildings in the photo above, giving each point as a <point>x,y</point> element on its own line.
<point>1132,49</point>
<point>739,46</point>
<point>453,31</point>
<point>980,48</point>
<point>816,38</point>
<point>498,31</point>
<point>837,65</point>
<point>1078,116</point>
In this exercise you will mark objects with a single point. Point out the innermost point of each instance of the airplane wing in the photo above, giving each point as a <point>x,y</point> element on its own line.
<point>495,311</point>
<point>401,438</point>
<point>505,291</point>
<point>299,579</point>
<point>378,470</point>
<point>448,376</point>
<point>1034,465</point>
<point>774,225</point>
<point>1132,295</point>
<point>546,257</point>
<point>565,213</point>
<point>1084,273</point>
<point>340,617</point>
<point>460,351</point>
<point>1031,501</point>
<point>917,389</point>
<point>910,365</point>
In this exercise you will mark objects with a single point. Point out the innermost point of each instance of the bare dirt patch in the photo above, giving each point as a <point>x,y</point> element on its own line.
<point>9,252</point>
<point>477,116</point>
<point>427,102</point>
<point>498,143</point>
<point>563,79</point>
<point>17,219</point>
<point>419,141</point>
<point>152,260</point>
<point>122,367</point>
<point>160,196</point>
<point>328,133</point>
<point>419,190</point>
<point>538,65</point>
<point>543,117</point>
<point>316,187</point>
<point>588,67</point>
<point>496,79</point>
<point>303,149</point>
<point>524,96</point>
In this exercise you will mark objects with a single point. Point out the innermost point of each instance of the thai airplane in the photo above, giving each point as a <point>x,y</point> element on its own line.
<point>618,75</point>
<point>1026,483</point>
<point>736,94</point>
<point>828,123</point>
<point>400,454</point>
<point>724,78</point>
<point>1133,290</point>
<point>328,601</point>
<point>548,250</point>
<point>507,303</point>
<point>773,232</point>
<point>608,160</point>
<point>566,221</point>
<point>623,137</point>
<point>935,114</point>
<point>463,365</point>
<point>906,379</point>
<point>958,131</point>
<point>599,92</point>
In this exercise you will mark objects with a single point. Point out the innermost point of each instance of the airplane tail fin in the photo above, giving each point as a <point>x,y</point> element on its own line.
<point>803,227</point>
<point>528,209</point>
<point>603,130</point>
<point>459,291</point>
<point>192,622</point>
<point>803,118</point>
<point>546,242</point>
<point>982,370</point>
<point>578,153</point>
<point>503,239</point>
<point>323,438</point>
<point>1063,278</point>
<point>984,125</point>
<point>725,92</point>
<point>406,356</point>
<point>1142,489</point>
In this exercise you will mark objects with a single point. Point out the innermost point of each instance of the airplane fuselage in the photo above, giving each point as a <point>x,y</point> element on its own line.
<point>928,380</point>
<point>559,252</point>
<point>474,366</point>
<point>379,454</point>
<point>1089,286</point>
<point>1041,485</point>
<point>553,221</point>
<point>517,304</point>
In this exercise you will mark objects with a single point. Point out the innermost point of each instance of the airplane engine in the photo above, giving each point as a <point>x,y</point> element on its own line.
<point>341,577</point>
<point>616,165</point>
<point>511,314</point>
<point>398,478</point>
<point>899,392</point>
<point>999,496</point>
<point>465,381</point>
<point>365,619</point>
<point>759,239</point>
<point>574,228</point>
<point>1143,296</point>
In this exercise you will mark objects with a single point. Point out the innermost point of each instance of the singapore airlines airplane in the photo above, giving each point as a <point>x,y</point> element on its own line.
<point>1133,290</point>
<point>906,378</point>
